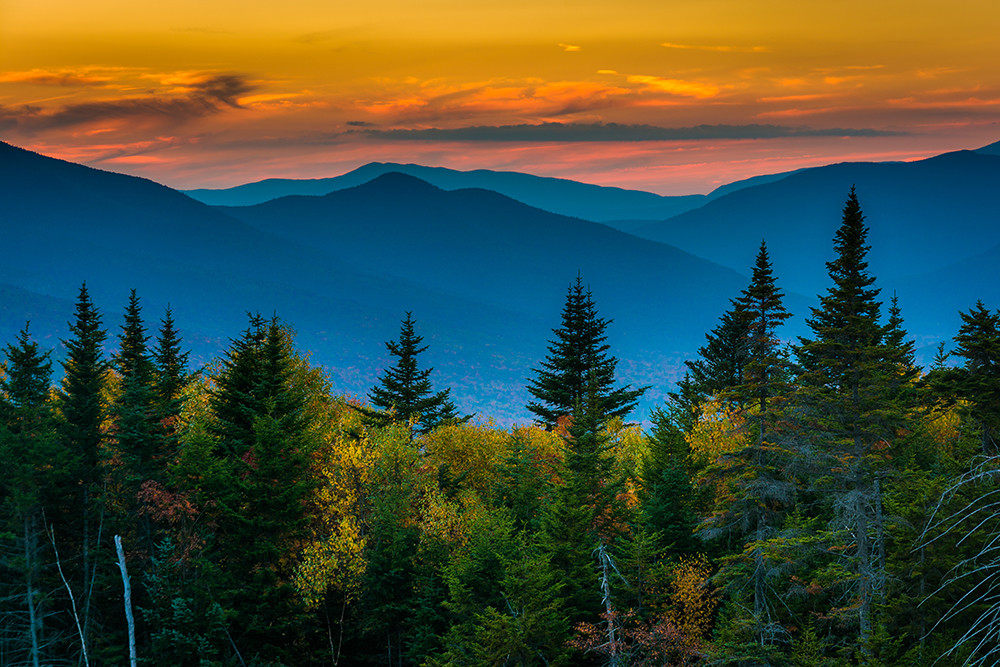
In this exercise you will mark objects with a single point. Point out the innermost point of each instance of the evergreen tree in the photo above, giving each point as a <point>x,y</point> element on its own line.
<point>81,403</point>
<point>235,401</point>
<point>761,488</point>
<point>721,363</point>
<point>667,493</point>
<point>137,430</point>
<point>258,489</point>
<point>578,357</point>
<point>766,371</point>
<point>848,371</point>
<point>82,412</point>
<point>404,392</point>
<point>978,380</point>
<point>33,480</point>
<point>169,378</point>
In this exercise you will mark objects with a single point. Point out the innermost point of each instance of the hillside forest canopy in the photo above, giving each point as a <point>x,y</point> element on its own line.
<point>817,502</point>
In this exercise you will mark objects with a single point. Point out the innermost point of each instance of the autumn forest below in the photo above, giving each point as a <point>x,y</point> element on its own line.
<point>816,500</point>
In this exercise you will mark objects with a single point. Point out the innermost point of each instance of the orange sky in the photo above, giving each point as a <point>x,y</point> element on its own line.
<point>673,96</point>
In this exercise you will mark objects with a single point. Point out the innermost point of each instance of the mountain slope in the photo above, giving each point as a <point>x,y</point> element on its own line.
<point>484,275</point>
<point>923,215</point>
<point>480,244</point>
<point>556,195</point>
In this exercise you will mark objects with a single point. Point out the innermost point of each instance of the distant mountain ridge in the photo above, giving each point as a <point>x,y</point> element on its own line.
<point>927,217</point>
<point>555,195</point>
<point>484,275</point>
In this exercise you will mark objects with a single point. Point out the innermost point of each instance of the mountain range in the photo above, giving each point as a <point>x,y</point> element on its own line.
<point>615,206</point>
<point>483,273</point>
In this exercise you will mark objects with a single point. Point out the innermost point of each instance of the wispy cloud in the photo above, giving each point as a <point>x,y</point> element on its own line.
<point>675,86</point>
<point>69,77</point>
<point>588,132</point>
<point>723,49</point>
<point>570,47</point>
<point>200,96</point>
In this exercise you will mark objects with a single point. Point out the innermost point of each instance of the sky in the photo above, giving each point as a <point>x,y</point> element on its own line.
<point>670,96</point>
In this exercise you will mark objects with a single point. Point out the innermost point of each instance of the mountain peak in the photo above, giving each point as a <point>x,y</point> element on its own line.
<point>398,181</point>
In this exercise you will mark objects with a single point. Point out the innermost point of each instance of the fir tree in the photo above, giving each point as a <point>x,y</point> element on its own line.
<point>765,371</point>
<point>34,479</point>
<point>404,392</point>
<point>137,430</point>
<point>169,363</point>
<point>81,404</point>
<point>978,380</point>
<point>258,488</point>
<point>847,374</point>
<point>722,361</point>
<point>82,410</point>
<point>578,356</point>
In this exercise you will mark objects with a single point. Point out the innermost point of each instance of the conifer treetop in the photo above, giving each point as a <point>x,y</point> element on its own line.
<point>578,357</point>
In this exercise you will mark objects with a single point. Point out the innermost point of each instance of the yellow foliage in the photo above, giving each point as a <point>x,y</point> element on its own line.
<point>628,446</point>
<point>475,452</point>
<point>720,430</point>
<point>944,428</point>
<point>343,463</point>
<point>689,603</point>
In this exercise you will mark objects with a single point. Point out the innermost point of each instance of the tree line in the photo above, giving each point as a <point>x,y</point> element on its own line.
<point>820,502</point>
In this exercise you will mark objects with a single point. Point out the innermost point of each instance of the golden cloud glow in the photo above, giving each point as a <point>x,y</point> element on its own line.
<point>238,86</point>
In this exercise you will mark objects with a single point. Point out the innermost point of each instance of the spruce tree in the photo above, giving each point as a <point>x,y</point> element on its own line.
<point>258,486</point>
<point>721,363</point>
<point>577,358</point>
<point>82,411</point>
<point>978,380</point>
<point>169,365</point>
<point>765,371</point>
<point>847,372</point>
<point>404,393</point>
<point>136,429</point>
<point>762,492</point>
<point>34,481</point>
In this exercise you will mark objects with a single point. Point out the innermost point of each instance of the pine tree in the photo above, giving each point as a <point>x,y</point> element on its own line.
<point>404,393</point>
<point>258,486</point>
<point>137,430</point>
<point>847,372</point>
<point>978,380</point>
<point>722,361</point>
<point>578,356</point>
<point>765,371</point>
<point>169,363</point>
<point>82,412</point>
<point>34,479</point>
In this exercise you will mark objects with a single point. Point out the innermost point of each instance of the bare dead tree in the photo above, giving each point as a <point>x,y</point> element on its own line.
<point>978,523</point>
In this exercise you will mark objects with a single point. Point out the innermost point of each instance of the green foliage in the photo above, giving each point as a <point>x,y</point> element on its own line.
<point>578,362</point>
<point>404,393</point>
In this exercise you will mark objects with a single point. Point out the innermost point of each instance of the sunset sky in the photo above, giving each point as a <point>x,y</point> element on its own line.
<point>673,96</point>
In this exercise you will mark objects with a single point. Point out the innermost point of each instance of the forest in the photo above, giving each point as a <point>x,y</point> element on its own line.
<point>816,502</point>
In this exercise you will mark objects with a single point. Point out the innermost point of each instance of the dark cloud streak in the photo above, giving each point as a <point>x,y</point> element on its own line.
<point>208,96</point>
<point>585,132</point>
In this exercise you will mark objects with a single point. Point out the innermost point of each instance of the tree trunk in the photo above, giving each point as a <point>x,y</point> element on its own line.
<point>127,600</point>
<point>30,558</point>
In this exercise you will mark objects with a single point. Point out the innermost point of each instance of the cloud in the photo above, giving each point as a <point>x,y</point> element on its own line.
<point>54,78</point>
<point>207,95</point>
<point>570,47</point>
<point>588,132</point>
<point>675,86</point>
<point>725,49</point>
